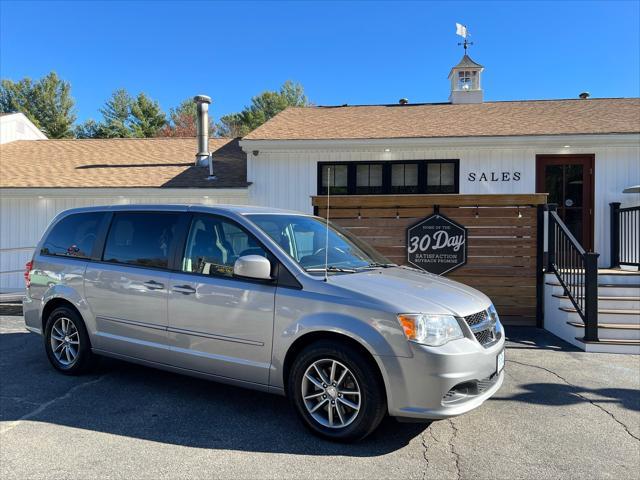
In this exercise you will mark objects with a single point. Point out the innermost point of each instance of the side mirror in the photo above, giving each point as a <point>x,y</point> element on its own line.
<point>252,266</point>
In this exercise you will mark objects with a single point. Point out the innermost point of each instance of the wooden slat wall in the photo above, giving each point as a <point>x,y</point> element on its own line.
<point>501,258</point>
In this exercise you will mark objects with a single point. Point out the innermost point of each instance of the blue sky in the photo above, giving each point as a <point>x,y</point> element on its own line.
<point>342,52</point>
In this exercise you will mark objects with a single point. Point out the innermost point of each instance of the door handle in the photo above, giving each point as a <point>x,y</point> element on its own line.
<point>184,289</point>
<point>153,285</point>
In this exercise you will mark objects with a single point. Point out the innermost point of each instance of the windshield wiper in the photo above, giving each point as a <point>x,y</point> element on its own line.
<point>380,265</point>
<point>331,268</point>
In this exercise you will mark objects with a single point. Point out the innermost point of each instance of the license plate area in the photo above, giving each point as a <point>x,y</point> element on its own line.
<point>500,362</point>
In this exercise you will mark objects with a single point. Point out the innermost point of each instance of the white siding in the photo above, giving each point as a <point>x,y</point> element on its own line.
<point>285,178</point>
<point>616,169</point>
<point>16,126</point>
<point>25,214</point>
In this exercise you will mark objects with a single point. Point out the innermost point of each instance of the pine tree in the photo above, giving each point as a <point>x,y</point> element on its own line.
<point>46,102</point>
<point>89,129</point>
<point>146,117</point>
<point>263,107</point>
<point>116,112</point>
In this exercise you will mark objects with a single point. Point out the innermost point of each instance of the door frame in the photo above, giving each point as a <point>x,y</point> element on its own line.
<point>587,159</point>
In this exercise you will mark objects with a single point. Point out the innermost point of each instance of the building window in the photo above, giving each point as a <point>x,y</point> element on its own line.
<point>338,181</point>
<point>369,178</point>
<point>404,178</point>
<point>441,177</point>
<point>467,80</point>
<point>384,178</point>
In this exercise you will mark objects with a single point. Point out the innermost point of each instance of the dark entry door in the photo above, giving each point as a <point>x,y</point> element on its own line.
<point>568,179</point>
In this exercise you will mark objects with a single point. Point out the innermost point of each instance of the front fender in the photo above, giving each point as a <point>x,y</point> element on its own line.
<point>356,329</point>
<point>372,333</point>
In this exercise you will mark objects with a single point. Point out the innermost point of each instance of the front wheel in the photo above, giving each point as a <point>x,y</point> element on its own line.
<point>337,391</point>
<point>67,343</point>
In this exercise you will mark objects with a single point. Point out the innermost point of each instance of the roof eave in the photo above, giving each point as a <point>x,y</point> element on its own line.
<point>579,139</point>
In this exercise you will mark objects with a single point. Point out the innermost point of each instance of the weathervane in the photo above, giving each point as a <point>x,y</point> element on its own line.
<point>462,31</point>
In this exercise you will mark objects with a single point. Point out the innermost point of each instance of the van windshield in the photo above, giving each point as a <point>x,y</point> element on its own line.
<point>304,239</point>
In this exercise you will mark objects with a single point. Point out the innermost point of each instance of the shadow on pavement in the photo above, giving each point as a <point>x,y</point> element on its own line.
<point>129,400</point>
<point>558,395</point>
<point>536,339</point>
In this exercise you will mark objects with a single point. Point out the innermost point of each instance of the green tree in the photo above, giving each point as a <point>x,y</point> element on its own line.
<point>146,117</point>
<point>124,116</point>
<point>89,129</point>
<point>116,115</point>
<point>46,102</point>
<point>18,97</point>
<point>263,107</point>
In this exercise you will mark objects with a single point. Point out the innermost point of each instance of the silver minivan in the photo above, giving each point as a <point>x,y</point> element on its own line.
<point>267,299</point>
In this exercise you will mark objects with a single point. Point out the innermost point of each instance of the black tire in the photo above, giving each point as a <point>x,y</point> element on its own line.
<point>373,404</point>
<point>85,359</point>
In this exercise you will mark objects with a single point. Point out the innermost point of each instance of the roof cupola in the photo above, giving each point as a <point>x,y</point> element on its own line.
<point>465,76</point>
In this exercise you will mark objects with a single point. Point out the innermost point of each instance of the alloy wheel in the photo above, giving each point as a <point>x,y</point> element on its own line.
<point>331,393</point>
<point>65,341</point>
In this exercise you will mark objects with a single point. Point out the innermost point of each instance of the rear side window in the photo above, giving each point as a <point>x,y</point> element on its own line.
<point>73,236</point>
<point>141,238</point>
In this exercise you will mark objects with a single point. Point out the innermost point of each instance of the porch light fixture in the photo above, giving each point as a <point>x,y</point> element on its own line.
<point>477,215</point>
<point>359,215</point>
<point>519,212</point>
<point>397,214</point>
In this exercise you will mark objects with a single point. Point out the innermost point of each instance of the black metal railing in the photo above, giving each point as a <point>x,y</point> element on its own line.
<point>625,235</point>
<point>576,270</point>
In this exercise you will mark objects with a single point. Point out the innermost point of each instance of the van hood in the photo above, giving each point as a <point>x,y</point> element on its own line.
<point>412,291</point>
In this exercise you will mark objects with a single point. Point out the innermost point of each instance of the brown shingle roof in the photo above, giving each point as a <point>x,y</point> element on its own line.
<point>117,163</point>
<point>541,117</point>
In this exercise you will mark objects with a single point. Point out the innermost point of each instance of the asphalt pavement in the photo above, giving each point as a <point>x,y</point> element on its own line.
<point>561,413</point>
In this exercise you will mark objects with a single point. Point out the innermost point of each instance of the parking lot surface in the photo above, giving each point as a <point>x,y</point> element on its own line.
<point>561,413</point>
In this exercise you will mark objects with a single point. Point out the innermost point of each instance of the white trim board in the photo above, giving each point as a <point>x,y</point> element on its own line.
<point>376,144</point>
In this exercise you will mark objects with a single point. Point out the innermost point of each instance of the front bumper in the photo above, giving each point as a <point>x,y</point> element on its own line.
<point>442,382</point>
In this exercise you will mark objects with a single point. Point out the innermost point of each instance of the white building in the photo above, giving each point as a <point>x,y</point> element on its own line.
<point>16,126</point>
<point>40,178</point>
<point>583,152</point>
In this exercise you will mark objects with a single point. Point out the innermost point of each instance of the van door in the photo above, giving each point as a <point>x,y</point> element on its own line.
<point>127,289</point>
<point>219,324</point>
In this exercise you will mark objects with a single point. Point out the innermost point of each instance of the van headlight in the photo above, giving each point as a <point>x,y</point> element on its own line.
<point>493,314</point>
<point>433,330</point>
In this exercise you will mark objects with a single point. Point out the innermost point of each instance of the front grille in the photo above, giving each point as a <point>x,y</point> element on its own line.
<point>482,329</point>
<point>484,336</point>
<point>476,318</point>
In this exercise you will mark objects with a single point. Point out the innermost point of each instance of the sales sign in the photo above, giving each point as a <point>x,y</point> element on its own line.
<point>437,244</point>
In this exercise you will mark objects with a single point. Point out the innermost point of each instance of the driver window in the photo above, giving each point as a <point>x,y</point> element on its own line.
<point>214,244</point>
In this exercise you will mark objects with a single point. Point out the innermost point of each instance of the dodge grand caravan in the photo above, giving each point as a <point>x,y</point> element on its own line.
<point>265,299</point>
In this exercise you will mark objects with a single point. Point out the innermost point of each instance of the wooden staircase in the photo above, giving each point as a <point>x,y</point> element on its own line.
<point>618,313</point>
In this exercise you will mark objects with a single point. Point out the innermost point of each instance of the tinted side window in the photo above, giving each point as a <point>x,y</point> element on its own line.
<point>141,238</point>
<point>73,236</point>
<point>214,244</point>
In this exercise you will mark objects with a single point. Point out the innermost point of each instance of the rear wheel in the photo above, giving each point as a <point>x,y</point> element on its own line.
<point>67,343</point>
<point>336,391</point>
